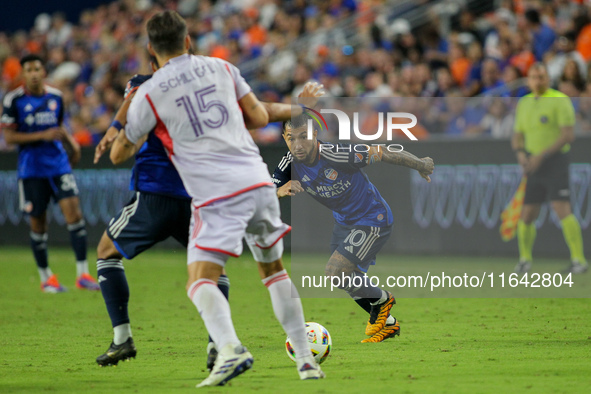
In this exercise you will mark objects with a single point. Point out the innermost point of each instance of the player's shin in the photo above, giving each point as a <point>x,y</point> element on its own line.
<point>526,236</point>
<point>215,312</point>
<point>573,237</point>
<point>39,248</point>
<point>224,286</point>
<point>78,240</point>
<point>288,310</point>
<point>361,287</point>
<point>115,291</point>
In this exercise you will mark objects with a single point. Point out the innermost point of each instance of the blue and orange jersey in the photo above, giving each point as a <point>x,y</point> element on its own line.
<point>337,181</point>
<point>153,171</point>
<point>27,113</point>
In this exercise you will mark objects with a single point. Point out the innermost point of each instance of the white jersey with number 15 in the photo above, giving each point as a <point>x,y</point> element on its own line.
<point>191,103</point>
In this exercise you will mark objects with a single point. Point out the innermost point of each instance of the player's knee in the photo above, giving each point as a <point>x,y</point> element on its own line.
<point>74,216</point>
<point>106,248</point>
<point>337,269</point>
<point>562,208</point>
<point>38,225</point>
<point>269,269</point>
<point>528,215</point>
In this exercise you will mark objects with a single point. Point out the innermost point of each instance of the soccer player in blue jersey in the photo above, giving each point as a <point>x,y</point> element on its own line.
<point>363,219</point>
<point>160,208</point>
<point>32,119</point>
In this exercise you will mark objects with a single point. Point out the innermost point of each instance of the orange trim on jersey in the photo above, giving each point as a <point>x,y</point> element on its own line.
<point>132,91</point>
<point>229,72</point>
<point>197,224</point>
<point>236,91</point>
<point>277,240</point>
<point>256,186</point>
<point>217,251</point>
<point>161,131</point>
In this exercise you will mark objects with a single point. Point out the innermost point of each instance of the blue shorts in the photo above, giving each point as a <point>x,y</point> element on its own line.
<point>35,193</point>
<point>359,244</point>
<point>148,219</point>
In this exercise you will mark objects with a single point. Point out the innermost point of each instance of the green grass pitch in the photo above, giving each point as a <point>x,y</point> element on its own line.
<point>49,342</point>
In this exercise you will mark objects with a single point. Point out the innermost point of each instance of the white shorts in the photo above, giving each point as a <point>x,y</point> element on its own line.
<point>217,229</point>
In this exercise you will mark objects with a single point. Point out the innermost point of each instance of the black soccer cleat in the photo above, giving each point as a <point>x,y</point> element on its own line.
<point>212,355</point>
<point>116,353</point>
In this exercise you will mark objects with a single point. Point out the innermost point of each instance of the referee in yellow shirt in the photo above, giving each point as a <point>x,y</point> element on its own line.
<point>544,122</point>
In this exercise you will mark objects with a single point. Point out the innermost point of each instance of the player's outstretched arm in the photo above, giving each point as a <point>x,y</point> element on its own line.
<point>424,166</point>
<point>254,113</point>
<point>279,112</point>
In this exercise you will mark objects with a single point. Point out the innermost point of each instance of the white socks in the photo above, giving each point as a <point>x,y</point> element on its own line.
<point>289,311</point>
<point>44,274</point>
<point>215,312</point>
<point>122,333</point>
<point>382,299</point>
<point>81,268</point>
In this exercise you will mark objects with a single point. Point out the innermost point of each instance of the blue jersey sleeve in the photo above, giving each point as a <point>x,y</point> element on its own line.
<point>282,173</point>
<point>344,156</point>
<point>60,113</point>
<point>9,113</point>
<point>134,83</point>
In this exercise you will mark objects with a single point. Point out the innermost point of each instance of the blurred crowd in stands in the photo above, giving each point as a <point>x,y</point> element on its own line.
<point>356,48</point>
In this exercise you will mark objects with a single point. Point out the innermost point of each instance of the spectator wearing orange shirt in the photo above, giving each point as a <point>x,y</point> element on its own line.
<point>459,64</point>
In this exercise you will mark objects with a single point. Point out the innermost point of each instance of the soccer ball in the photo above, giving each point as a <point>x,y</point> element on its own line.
<point>319,339</point>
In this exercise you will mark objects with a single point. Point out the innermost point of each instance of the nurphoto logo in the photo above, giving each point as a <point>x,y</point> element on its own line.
<point>391,120</point>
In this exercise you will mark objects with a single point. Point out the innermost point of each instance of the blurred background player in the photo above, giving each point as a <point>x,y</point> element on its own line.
<point>544,121</point>
<point>32,119</point>
<point>223,172</point>
<point>363,219</point>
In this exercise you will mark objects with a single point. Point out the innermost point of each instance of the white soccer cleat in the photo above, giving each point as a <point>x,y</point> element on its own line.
<point>231,361</point>
<point>308,368</point>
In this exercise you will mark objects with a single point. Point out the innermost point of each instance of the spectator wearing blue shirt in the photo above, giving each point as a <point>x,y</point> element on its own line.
<point>543,35</point>
<point>492,84</point>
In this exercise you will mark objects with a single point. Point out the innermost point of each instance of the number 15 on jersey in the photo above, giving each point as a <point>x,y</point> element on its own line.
<point>203,108</point>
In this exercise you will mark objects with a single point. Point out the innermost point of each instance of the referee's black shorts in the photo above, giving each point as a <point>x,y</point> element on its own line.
<point>550,181</point>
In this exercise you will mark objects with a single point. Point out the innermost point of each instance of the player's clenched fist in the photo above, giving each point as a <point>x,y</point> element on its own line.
<point>289,189</point>
<point>428,167</point>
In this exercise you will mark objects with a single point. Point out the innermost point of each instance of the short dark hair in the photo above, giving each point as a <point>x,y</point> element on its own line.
<point>167,31</point>
<point>570,35</point>
<point>31,58</point>
<point>532,16</point>
<point>297,122</point>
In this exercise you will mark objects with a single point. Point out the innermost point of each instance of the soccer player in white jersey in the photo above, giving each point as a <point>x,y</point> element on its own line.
<point>201,108</point>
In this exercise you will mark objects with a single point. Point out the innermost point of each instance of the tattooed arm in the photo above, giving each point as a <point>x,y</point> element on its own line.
<point>279,112</point>
<point>424,166</point>
<point>123,149</point>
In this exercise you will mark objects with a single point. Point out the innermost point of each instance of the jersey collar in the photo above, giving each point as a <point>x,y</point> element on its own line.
<point>177,59</point>
<point>29,93</point>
